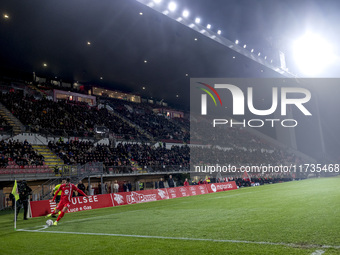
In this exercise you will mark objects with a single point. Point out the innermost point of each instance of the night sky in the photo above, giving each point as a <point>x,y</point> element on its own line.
<point>57,33</point>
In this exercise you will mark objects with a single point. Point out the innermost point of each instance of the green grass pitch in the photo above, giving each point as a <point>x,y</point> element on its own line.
<point>299,217</point>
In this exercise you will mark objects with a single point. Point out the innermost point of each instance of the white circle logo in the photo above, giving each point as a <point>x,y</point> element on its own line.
<point>213,187</point>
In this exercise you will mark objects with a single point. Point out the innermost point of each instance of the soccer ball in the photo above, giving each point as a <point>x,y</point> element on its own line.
<point>49,223</point>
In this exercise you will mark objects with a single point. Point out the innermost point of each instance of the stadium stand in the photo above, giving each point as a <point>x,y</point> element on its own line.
<point>145,156</point>
<point>21,154</point>
<point>64,118</point>
<point>158,125</point>
<point>144,140</point>
<point>78,119</point>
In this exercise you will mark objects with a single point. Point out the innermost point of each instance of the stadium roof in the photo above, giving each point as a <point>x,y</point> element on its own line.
<point>126,45</point>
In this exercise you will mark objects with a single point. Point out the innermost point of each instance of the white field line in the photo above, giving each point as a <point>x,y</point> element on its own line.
<point>318,252</point>
<point>191,239</point>
<point>44,227</point>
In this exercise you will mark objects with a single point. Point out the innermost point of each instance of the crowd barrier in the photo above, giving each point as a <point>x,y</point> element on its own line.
<point>44,207</point>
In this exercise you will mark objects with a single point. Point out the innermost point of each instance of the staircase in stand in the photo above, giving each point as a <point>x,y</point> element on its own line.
<point>50,158</point>
<point>12,121</point>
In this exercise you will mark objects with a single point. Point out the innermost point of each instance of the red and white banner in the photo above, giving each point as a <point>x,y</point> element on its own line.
<point>44,207</point>
<point>89,203</point>
<point>197,189</point>
<point>223,186</point>
<point>135,197</point>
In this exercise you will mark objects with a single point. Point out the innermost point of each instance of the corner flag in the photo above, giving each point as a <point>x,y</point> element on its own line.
<point>16,195</point>
<point>15,191</point>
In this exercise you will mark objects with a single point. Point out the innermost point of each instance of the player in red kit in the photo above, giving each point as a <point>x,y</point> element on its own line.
<point>65,199</point>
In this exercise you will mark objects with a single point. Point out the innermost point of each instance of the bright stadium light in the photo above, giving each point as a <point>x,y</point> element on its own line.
<point>312,53</point>
<point>172,6</point>
<point>197,20</point>
<point>236,41</point>
<point>219,32</point>
<point>185,13</point>
<point>208,26</point>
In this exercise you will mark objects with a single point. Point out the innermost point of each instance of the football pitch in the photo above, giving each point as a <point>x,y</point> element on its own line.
<point>299,217</point>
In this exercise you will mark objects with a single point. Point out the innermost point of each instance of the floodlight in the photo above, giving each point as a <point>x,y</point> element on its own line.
<point>172,6</point>
<point>185,13</point>
<point>312,53</point>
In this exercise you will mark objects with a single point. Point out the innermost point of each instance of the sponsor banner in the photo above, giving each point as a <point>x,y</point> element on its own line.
<point>44,207</point>
<point>217,187</point>
<point>91,202</point>
<point>135,197</point>
<point>178,192</point>
<point>183,191</point>
<point>197,190</point>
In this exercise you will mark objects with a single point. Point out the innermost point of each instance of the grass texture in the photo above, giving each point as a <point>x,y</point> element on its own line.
<point>299,217</point>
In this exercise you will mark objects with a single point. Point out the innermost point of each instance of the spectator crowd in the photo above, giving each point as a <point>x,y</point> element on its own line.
<point>20,153</point>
